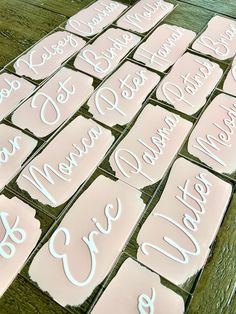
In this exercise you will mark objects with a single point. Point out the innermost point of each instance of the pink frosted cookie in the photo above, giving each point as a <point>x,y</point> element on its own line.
<point>164,47</point>
<point>94,18</point>
<point>19,233</point>
<point>137,290</point>
<point>189,83</point>
<point>54,175</point>
<point>102,56</point>
<point>54,102</point>
<point>119,98</point>
<point>47,55</point>
<point>219,39</point>
<point>93,232</point>
<point>175,239</point>
<point>143,156</point>
<point>13,90</point>
<point>15,147</point>
<point>213,139</point>
<point>144,15</point>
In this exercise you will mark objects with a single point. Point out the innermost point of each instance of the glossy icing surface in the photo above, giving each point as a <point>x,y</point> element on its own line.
<point>164,46</point>
<point>54,102</point>
<point>144,15</point>
<point>94,18</point>
<point>135,289</point>
<point>219,39</point>
<point>87,242</point>
<point>143,156</point>
<point>104,54</point>
<point>189,83</point>
<point>53,178</point>
<point>175,239</point>
<point>78,152</point>
<point>120,97</point>
<point>19,233</point>
<point>15,147</point>
<point>213,139</point>
<point>13,90</point>
<point>46,56</point>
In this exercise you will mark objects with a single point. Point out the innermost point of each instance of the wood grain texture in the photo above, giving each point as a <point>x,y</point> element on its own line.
<point>227,7</point>
<point>215,291</point>
<point>65,7</point>
<point>21,25</point>
<point>183,16</point>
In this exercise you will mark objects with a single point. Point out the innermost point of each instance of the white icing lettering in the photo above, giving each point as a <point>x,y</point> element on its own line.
<point>89,241</point>
<point>192,83</point>
<point>13,233</point>
<point>49,53</point>
<point>12,87</point>
<point>146,303</point>
<point>160,57</point>
<point>190,222</point>
<point>158,143</point>
<point>64,169</point>
<point>88,28</point>
<point>105,58</point>
<point>6,153</point>
<point>149,9</point>
<point>62,97</point>
<point>221,45</point>
<point>128,91</point>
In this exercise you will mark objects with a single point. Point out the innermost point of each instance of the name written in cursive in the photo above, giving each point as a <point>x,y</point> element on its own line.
<point>210,144</point>
<point>63,94</point>
<point>151,153</point>
<point>104,60</point>
<point>193,202</point>
<point>64,169</point>
<point>128,90</point>
<point>192,84</point>
<point>89,242</point>
<point>12,234</point>
<point>160,56</point>
<point>88,28</point>
<point>149,10</point>
<point>13,86</point>
<point>5,153</point>
<point>220,46</point>
<point>48,53</point>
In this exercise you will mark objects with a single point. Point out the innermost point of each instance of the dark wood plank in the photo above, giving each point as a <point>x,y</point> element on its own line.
<point>227,7</point>
<point>23,298</point>
<point>184,15</point>
<point>21,25</point>
<point>215,291</point>
<point>66,7</point>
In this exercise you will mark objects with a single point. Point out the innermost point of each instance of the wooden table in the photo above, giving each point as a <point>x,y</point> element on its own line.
<point>22,23</point>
